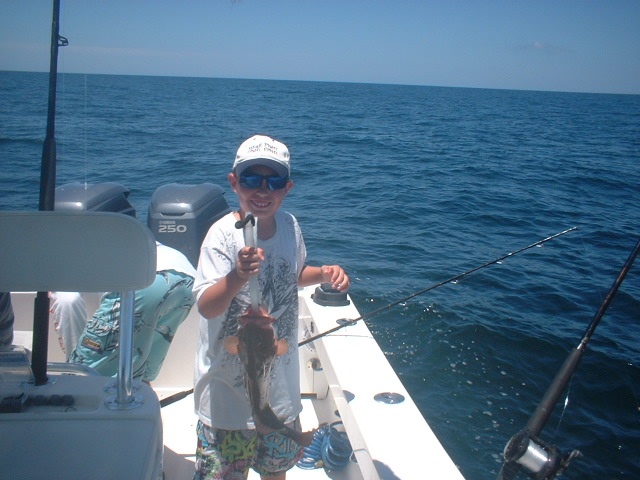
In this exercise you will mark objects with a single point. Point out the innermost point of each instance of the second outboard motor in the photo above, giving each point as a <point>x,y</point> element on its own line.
<point>97,197</point>
<point>180,215</point>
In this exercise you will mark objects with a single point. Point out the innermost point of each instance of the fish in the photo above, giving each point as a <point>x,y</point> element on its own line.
<point>258,348</point>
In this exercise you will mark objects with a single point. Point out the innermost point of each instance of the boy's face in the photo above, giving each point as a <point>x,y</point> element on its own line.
<point>261,202</point>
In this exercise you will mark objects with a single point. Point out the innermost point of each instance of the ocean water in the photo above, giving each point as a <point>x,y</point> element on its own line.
<point>406,186</point>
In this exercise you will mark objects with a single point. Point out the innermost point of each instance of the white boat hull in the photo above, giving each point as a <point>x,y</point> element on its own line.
<point>343,375</point>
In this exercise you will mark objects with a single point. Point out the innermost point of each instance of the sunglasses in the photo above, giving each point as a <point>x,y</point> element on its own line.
<point>254,181</point>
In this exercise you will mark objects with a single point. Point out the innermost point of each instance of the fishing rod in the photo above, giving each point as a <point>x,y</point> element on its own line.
<point>346,323</point>
<point>47,201</point>
<point>525,448</point>
<point>180,395</point>
<point>48,163</point>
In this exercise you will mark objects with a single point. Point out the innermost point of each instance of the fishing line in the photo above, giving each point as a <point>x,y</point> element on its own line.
<point>565,405</point>
<point>86,138</point>
<point>180,395</point>
<point>346,323</point>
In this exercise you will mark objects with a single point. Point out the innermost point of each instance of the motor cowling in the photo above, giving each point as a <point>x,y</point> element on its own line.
<point>180,215</point>
<point>97,197</point>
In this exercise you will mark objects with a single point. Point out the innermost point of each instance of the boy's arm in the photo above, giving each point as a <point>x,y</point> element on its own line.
<point>333,274</point>
<point>216,299</point>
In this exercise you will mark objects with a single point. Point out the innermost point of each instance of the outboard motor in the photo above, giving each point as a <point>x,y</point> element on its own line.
<point>180,215</point>
<point>98,197</point>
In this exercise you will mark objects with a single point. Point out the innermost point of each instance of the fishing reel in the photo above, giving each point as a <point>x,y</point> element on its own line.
<point>540,460</point>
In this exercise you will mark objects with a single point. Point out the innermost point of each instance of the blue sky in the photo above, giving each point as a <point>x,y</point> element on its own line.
<point>561,45</point>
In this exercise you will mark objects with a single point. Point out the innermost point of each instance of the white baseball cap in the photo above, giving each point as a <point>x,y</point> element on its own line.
<point>262,150</point>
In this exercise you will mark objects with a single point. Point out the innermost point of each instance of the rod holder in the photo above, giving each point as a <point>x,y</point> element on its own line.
<point>124,399</point>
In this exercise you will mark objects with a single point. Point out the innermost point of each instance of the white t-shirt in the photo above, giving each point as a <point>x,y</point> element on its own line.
<point>221,400</point>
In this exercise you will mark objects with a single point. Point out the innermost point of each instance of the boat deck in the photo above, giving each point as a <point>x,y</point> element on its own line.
<point>180,445</point>
<point>344,376</point>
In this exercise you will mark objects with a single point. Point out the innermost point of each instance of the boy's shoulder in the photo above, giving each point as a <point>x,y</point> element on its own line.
<point>225,222</point>
<point>286,217</point>
<point>221,228</point>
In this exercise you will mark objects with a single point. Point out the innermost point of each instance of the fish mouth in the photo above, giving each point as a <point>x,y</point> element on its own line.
<point>258,319</point>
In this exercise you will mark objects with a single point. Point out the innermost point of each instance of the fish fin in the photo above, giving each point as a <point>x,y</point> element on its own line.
<point>231,345</point>
<point>282,347</point>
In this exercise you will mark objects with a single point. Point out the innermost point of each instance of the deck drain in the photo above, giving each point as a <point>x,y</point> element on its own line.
<point>389,398</point>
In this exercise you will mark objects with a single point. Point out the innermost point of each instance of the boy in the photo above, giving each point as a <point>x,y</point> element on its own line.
<point>228,444</point>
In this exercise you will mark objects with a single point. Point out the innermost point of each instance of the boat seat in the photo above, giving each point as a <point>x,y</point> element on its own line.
<point>100,429</point>
<point>68,252</point>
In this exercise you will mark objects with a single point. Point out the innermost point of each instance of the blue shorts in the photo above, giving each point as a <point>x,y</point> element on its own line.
<point>228,454</point>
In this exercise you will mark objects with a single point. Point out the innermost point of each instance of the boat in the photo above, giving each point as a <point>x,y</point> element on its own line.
<point>69,422</point>
<point>345,379</point>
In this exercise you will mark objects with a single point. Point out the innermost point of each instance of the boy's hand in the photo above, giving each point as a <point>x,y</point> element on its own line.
<point>336,276</point>
<point>248,264</point>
